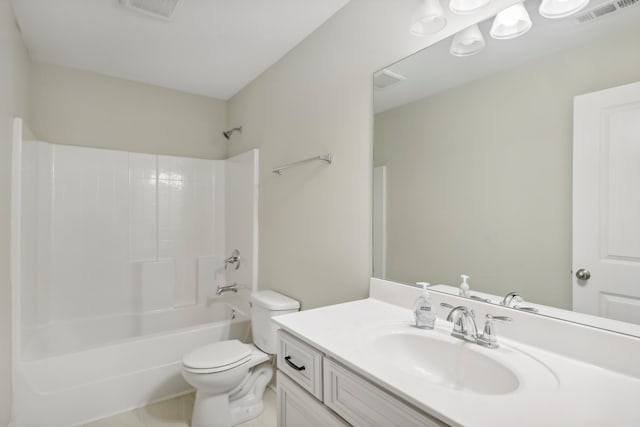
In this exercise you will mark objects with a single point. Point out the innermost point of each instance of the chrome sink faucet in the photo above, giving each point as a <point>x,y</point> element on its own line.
<point>511,297</point>
<point>464,326</point>
<point>514,300</point>
<point>464,322</point>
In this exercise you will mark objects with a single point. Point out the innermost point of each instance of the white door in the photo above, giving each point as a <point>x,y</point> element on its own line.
<point>606,203</point>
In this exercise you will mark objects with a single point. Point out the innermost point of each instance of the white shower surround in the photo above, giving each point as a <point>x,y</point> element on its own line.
<point>120,255</point>
<point>107,232</point>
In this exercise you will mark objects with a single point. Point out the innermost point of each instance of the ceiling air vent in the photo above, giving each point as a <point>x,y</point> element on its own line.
<point>604,9</point>
<point>385,78</point>
<point>160,9</point>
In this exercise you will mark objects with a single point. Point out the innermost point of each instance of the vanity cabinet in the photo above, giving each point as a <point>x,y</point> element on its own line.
<point>315,390</point>
<point>364,404</point>
<point>296,408</point>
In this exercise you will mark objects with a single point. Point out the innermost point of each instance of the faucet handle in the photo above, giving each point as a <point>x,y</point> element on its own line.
<point>233,259</point>
<point>489,338</point>
<point>500,318</point>
<point>528,309</point>
<point>477,298</point>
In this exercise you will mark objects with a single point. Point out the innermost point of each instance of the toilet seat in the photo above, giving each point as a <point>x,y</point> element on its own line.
<point>217,357</point>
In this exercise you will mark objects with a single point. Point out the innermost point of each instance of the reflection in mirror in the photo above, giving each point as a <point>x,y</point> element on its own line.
<point>473,168</point>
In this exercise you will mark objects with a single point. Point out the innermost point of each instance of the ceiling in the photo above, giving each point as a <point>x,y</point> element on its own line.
<point>210,47</point>
<point>434,69</point>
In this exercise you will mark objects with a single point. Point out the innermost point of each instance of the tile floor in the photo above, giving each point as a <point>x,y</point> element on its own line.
<point>177,413</point>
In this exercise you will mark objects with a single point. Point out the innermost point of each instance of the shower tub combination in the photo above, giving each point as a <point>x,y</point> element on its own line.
<point>116,258</point>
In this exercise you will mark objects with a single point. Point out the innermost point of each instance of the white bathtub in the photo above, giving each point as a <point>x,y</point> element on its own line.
<point>77,381</point>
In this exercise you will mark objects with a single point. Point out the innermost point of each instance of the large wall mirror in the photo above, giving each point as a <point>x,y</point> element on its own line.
<point>474,167</point>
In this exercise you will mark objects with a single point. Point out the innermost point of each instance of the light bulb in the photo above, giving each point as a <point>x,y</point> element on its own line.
<point>467,42</point>
<point>556,9</point>
<point>465,7</point>
<point>511,22</point>
<point>428,19</point>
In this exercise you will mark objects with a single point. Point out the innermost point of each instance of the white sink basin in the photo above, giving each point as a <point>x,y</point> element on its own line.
<point>449,364</point>
<point>436,358</point>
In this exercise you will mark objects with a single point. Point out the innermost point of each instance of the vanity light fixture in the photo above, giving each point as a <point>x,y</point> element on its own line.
<point>428,19</point>
<point>467,42</point>
<point>556,9</point>
<point>511,22</point>
<point>465,7</point>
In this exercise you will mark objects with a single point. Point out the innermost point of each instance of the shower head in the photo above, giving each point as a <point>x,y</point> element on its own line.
<point>227,134</point>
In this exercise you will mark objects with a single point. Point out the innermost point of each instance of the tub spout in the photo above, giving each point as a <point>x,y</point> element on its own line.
<point>230,288</point>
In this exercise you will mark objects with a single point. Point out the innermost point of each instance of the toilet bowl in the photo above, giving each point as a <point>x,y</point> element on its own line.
<point>229,376</point>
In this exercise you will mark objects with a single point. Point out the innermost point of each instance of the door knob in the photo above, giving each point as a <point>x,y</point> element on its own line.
<point>583,274</point>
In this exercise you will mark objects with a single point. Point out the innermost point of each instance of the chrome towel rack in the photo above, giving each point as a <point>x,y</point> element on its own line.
<point>324,157</point>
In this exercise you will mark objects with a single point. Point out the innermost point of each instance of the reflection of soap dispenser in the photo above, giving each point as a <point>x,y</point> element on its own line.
<point>424,313</point>
<point>464,287</point>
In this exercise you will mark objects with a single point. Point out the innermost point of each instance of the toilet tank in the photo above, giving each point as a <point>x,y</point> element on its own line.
<point>264,306</point>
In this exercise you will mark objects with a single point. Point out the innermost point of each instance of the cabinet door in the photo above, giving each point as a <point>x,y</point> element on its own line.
<point>363,404</point>
<point>297,408</point>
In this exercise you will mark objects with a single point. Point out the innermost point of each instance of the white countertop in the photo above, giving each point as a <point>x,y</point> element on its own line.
<point>580,394</point>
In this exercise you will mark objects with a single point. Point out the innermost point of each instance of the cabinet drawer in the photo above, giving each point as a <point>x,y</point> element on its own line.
<point>301,362</point>
<point>297,408</point>
<point>364,404</point>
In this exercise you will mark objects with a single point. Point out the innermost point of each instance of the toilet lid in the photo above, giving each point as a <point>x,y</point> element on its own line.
<point>223,354</point>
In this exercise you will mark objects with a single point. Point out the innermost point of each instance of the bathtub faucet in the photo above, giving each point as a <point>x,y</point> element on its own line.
<point>233,259</point>
<point>230,288</point>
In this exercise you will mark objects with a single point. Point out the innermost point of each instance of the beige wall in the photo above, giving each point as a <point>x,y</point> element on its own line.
<point>315,220</point>
<point>83,108</point>
<point>491,196</point>
<point>14,70</point>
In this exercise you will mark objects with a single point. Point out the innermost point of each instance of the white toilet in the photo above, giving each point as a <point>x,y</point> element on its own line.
<point>229,376</point>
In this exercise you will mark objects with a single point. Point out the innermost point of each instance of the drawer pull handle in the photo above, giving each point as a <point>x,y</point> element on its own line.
<point>293,365</point>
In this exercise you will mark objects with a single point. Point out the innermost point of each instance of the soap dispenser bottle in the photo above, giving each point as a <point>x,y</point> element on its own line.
<point>464,290</point>
<point>423,310</point>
